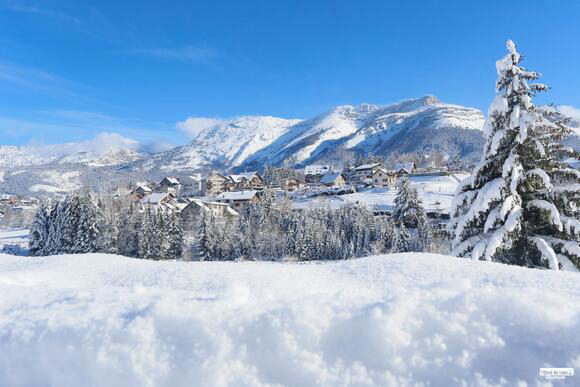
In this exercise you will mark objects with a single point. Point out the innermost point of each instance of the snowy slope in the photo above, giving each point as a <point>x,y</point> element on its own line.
<point>415,125</point>
<point>12,157</point>
<point>395,320</point>
<point>436,193</point>
<point>226,144</point>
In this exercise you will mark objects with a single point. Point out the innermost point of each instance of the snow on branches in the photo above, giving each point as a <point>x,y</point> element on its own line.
<point>520,205</point>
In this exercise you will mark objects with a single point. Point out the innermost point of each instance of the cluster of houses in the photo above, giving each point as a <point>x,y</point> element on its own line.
<point>226,195</point>
<point>374,175</point>
<point>222,196</point>
<point>16,210</point>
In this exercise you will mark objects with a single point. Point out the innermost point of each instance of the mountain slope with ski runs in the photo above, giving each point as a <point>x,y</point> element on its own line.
<point>247,143</point>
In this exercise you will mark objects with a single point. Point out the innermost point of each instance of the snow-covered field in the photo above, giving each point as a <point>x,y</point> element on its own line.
<point>16,240</point>
<point>58,182</point>
<point>436,192</point>
<point>395,320</point>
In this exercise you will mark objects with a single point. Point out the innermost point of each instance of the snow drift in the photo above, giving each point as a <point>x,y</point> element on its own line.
<point>405,319</point>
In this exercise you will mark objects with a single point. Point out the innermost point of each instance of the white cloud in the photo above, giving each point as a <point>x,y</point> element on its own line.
<point>54,14</point>
<point>102,143</point>
<point>156,146</point>
<point>192,54</point>
<point>103,132</point>
<point>106,141</point>
<point>24,80</point>
<point>194,125</point>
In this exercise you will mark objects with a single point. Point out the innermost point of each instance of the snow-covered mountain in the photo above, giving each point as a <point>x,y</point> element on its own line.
<point>71,153</point>
<point>411,126</point>
<point>226,144</point>
<point>61,168</point>
<point>245,143</point>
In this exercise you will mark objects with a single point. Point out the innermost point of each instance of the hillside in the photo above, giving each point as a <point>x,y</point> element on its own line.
<point>223,145</point>
<point>247,143</point>
<point>417,125</point>
<point>394,320</point>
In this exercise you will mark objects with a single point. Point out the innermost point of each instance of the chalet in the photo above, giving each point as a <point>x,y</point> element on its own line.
<point>384,178</point>
<point>140,192</point>
<point>216,183</point>
<point>169,184</point>
<point>195,207</point>
<point>143,190</point>
<point>238,200</point>
<point>161,200</point>
<point>314,173</point>
<point>405,168</point>
<point>192,185</point>
<point>246,180</point>
<point>291,184</point>
<point>365,171</point>
<point>333,179</point>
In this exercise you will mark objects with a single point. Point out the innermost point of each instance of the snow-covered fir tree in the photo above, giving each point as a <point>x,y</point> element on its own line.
<point>129,233</point>
<point>408,208</point>
<point>39,231</point>
<point>86,224</point>
<point>174,237</point>
<point>111,221</point>
<point>160,241</point>
<point>65,225</point>
<point>401,240</point>
<point>148,247</point>
<point>521,204</point>
<point>204,236</point>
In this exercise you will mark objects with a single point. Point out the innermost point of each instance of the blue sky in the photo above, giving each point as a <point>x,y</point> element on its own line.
<point>72,69</point>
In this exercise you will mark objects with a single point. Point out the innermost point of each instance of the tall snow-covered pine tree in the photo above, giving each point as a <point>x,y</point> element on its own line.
<point>408,207</point>
<point>39,231</point>
<point>521,204</point>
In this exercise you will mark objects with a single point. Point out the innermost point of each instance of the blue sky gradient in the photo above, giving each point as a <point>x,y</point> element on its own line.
<point>72,69</point>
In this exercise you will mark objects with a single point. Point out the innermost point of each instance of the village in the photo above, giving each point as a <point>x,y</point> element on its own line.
<point>227,195</point>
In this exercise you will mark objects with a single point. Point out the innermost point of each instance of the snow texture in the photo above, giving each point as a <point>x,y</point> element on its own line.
<point>395,320</point>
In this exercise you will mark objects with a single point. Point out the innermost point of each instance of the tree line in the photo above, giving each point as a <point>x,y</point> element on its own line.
<point>85,223</point>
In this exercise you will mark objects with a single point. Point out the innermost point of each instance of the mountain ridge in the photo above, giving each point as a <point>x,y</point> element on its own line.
<point>249,142</point>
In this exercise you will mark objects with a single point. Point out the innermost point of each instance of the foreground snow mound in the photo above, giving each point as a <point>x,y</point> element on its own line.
<point>393,320</point>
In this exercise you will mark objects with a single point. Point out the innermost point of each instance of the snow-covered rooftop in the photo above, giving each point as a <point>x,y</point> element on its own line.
<point>237,195</point>
<point>172,180</point>
<point>384,171</point>
<point>366,166</point>
<point>155,198</point>
<point>330,177</point>
<point>238,178</point>
<point>318,169</point>
<point>407,167</point>
<point>144,188</point>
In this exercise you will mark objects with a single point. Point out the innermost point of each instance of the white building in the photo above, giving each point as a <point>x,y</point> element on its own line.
<point>313,173</point>
<point>365,171</point>
<point>238,199</point>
